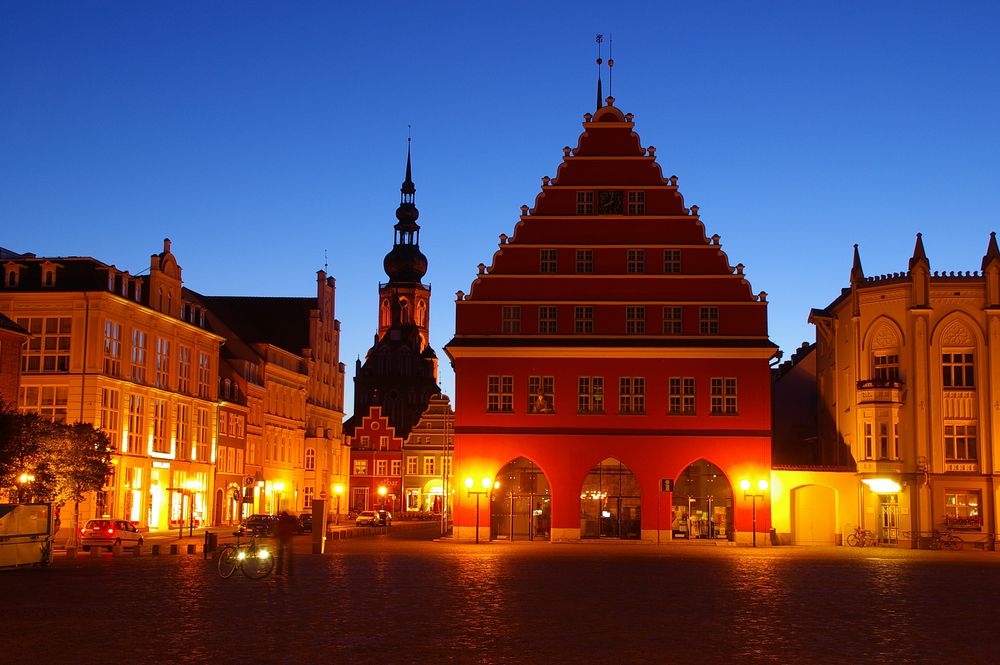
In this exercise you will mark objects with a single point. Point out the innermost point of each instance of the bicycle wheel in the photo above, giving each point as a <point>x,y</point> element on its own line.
<point>935,542</point>
<point>228,561</point>
<point>953,542</point>
<point>852,539</point>
<point>258,563</point>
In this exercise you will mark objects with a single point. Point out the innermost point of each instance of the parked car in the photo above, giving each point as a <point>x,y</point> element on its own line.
<point>108,533</point>
<point>367,518</point>
<point>305,523</point>
<point>384,518</point>
<point>260,524</point>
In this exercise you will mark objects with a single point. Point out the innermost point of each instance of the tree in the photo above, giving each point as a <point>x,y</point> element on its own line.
<point>25,439</point>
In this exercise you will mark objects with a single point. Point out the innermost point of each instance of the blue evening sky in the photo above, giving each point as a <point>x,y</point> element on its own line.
<point>259,135</point>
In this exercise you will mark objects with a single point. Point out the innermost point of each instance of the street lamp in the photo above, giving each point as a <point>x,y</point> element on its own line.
<point>338,490</point>
<point>487,483</point>
<point>382,490</point>
<point>23,480</point>
<point>753,496</point>
<point>190,487</point>
<point>278,488</point>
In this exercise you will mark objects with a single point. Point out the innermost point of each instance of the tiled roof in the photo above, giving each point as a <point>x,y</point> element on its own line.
<point>283,322</point>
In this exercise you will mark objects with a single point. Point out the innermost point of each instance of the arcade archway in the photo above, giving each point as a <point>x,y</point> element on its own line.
<point>610,504</point>
<point>703,503</point>
<point>521,503</point>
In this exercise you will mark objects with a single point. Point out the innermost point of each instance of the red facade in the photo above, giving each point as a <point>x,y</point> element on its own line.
<point>376,460</point>
<point>611,347</point>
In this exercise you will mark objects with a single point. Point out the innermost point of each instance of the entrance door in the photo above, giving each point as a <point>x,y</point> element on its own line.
<point>610,505</point>
<point>520,508</point>
<point>888,532</point>
<point>703,503</point>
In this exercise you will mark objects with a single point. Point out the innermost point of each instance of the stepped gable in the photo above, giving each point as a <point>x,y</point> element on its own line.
<point>609,195</point>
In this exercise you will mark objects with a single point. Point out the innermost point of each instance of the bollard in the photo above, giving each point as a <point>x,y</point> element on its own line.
<point>173,549</point>
<point>191,549</point>
<point>116,549</point>
<point>70,552</point>
<point>155,551</point>
<point>137,550</point>
<point>95,551</point>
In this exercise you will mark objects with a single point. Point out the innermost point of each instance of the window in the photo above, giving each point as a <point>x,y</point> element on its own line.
<point>511,319</point>
<point>547,260</point>
<point>183,428</point>
<point>396,467</point>
<point>635,261</point>
<point>681,396</point>
<point>138,356</point>
<point>47,350</point>
<point>708,323</point>
<point>961,509</point>
<point>202,443</point>
<point>383,443</point>
<point>47,401</point>
<point>869,442</point>
<point>500,394</point>
<point>382,467</point>
<point>429,464</point>
<point>632,395</point>
<point>635,320</point>
<point>585,260</point>
<point>585,203</point>
<point>590,395</point>
<point>161,442</point>
<point>365,442</point>
<point>637,203</point>
<point>723,396</point>
<point>547,323</point>
<point>541,394</point>
<point>583,320</point>
<point>112,348</point>
<point>960,443</point>
<point>184,370</point>
<point>307,497</point>
<point>162,363</point>
<point>310,459</point>
<point>886,441</point>
<point>671,320</point>
<point>204,375</point>
<point>671,261</point>
<point>111,418</point>
<point>360,467</point>
<point>136,424</point>
<point>886,368</point>
<point>958,370</point>
<point>411,465</point>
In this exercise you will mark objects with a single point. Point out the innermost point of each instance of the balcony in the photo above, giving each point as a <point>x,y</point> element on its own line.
<point>880,391</point>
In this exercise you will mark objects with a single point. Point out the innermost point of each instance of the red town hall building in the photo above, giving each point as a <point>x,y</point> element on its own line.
<point>611,365</point>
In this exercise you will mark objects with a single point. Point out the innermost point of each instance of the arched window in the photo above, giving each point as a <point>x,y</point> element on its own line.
<point>310,459</point>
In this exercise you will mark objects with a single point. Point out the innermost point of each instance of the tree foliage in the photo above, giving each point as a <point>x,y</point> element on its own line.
<point>65,460</point>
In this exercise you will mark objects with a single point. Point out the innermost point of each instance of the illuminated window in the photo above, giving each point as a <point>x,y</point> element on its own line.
<point>547,323</point>
<point>635,261</point>
<point>411,464</point>
<point>183,427</point>
<point>869,441</point>
<point>632,395</point>
<point>395,467</point>
<point>136,424</point>
<point>585,260</point>
<point>204,375</point>
<point>671,261</point>
<point>681,396</point>
<point>708,323</point>
<point>500,394</point>
<point>960,443</point>
<point>961,509</point>
<point>381,467</point>
<point>201,437</point>
<point>430,465</point>
<point>590,395</point>
<point>138,356</point>
<point>541,394</point>
<point>307,497</point>
<point>585,203</point>
<point>635,320</point>
<point>360,467</point>
<point>162,363</point>
<point>112,348</point>
<point>723,392</point>
<point>184,370</point>
<point>511,319</point>
<point>161,442</point>
<point>111,417</point>
<point>671,320</point>
<point>958,370</point>
<point>310,459</point>
<point>47,350</point>
<point>365,442</point>
<point>637,203</point>
<point>383,443</point>
<point>583,320</point>
<point>47,401</point>
<point>547,261</point>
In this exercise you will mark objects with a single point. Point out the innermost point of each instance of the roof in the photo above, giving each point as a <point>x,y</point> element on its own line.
<point>282,322</point>
<point>7,324</point>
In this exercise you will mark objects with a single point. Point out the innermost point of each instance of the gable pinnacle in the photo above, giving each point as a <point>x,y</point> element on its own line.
<point>992,252</point>
<point>857,274</point>
<point>918,253</point>
<point>600,95</point>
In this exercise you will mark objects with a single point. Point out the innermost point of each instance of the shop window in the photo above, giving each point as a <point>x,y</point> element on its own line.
<point>961,509</point>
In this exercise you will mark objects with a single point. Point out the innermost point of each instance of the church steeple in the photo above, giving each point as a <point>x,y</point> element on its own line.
<point>405,262</point>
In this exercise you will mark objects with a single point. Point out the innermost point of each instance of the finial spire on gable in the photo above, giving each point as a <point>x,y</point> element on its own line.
<point>611,62</point>
<point>918,253</point>
<point>857,274</point>
<point>408,189</point>
<point>600,96</point>
<point>992,252</point>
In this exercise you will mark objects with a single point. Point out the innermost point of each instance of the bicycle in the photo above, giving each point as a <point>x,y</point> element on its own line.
<point>251,558</point>
<point>862,537</point>
<point>946,540</point>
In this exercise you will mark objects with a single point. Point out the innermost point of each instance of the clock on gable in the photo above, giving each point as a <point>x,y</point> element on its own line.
<point>609,202</point>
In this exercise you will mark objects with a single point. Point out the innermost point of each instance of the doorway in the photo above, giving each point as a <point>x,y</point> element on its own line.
<point>703,504</point>
<point>521,503</point>
<point>610,505</point>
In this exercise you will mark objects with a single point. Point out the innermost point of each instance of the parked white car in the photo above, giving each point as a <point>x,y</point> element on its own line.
<point>108,533</point>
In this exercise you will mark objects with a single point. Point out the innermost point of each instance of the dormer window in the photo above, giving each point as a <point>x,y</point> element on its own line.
<point>111,281</point>
<point>12,276</point>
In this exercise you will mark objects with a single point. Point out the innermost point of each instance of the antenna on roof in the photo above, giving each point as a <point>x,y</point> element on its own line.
<point>611,61</point>
<point>326,265</point>
<point>600,102</point>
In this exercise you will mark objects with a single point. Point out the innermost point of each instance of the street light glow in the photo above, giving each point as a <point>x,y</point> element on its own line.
<point>468,483</point>
<point>382,490</point>
<point>338,489</point>
<point>744,484</point>
<point>487,482</point>
<point>762,484</point>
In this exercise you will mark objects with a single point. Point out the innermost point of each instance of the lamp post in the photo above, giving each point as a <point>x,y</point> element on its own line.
<point>190,488</point>
<point>382,491</point>
<point>23,480</point>
<point>338,490</point>
<point>486,483</point>
<point>753,496</point>
<point>278,488</point>
<point>260,495</point>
